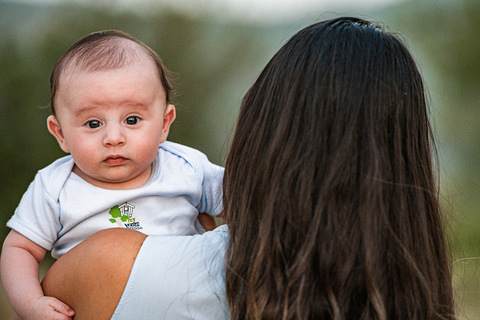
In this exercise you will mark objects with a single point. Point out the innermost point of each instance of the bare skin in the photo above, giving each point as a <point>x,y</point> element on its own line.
<point>103,262</point>
<point>207,221</point>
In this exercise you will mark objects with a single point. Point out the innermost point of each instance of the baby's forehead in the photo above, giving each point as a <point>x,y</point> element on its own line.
<point>110,54</point>
<point>144,65</point>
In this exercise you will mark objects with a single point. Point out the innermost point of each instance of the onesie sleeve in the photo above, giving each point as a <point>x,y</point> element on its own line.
<point>209,175</point>
<point>37,215</point>
<point>212,184</point>
<point>177,277</point>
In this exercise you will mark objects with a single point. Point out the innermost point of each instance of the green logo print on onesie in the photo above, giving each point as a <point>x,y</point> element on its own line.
<point>116,213</point>
<point>123,216</point>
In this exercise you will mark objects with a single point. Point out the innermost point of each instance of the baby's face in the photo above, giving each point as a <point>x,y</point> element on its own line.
<point>112,123</point>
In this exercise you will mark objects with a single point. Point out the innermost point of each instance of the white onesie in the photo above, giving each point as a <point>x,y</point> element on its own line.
<point>60,209</point>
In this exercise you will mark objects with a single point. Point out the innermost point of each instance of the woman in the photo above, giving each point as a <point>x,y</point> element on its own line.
<point>329,195</point>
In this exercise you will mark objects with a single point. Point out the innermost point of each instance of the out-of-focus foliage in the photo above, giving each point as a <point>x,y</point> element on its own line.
<point>214,63</point>
<point>447,36</point>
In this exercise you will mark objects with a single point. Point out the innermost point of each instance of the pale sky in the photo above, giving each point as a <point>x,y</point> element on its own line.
<point>273,9</point>
<point>255,10</point>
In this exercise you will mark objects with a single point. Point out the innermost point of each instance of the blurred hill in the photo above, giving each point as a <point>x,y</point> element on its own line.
<point>215,61</point>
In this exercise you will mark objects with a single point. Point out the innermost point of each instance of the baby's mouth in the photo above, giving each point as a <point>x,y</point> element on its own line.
<point>115,160</point>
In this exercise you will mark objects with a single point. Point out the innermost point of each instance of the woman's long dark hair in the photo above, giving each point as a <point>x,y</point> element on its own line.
<point>329,189</point>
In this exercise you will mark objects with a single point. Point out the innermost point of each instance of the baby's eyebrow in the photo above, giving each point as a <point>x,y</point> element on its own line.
<point>127,104</point>
<point>85,110</point>
<point>138,105</point>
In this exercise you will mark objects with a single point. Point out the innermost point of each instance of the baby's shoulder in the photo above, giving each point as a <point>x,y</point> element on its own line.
<point>54,175</point>
<point>190,155</point>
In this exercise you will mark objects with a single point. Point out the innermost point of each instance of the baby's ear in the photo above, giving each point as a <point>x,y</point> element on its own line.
<point>168,118</point>
<point>55,129</point>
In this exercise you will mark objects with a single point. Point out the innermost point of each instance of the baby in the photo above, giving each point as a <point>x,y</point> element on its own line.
<point>112,113</point>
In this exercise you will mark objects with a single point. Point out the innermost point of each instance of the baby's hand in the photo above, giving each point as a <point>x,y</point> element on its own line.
<point>50,308</point>
<point>207,221</point>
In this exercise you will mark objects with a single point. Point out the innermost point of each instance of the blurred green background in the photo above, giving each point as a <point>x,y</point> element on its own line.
<point>215,59</point>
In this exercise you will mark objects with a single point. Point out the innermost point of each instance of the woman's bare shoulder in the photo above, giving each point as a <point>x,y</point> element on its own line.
<point>91,277</point>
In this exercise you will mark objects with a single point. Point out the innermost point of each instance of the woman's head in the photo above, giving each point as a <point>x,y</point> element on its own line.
<point>329,185</point>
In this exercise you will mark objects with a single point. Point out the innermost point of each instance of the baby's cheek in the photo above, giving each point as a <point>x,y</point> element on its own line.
<point>146,152</point>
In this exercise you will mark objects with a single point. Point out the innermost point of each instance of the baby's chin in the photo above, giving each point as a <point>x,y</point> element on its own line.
<point>115,180</point>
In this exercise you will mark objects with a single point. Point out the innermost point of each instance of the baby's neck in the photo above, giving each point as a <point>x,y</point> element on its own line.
<point>133,183</point>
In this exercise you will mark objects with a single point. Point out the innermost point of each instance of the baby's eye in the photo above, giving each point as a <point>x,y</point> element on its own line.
<point>94,124</point>
<point>131,120</point>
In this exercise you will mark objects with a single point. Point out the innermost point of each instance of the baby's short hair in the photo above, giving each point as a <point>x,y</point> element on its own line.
<point>106,50</point>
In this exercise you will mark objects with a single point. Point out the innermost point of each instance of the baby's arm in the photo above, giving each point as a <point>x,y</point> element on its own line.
<point>19,273</point>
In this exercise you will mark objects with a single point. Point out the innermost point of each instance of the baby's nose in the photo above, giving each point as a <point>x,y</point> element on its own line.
<point>114,135</point>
